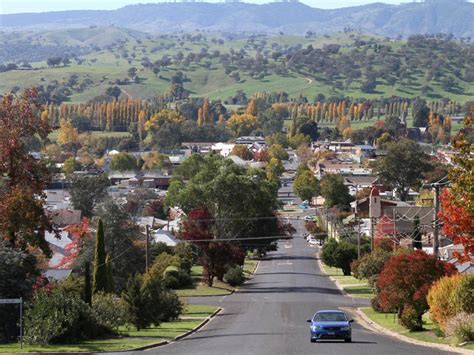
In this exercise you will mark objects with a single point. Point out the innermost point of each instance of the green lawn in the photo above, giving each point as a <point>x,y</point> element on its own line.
<point>129,336</point>
<point>196,310</point>
<point>165,331</point>
<point>389,321</point>
<point>359,291</point>
<point>250,266</point>
<point>202,290</point>
<point>349,283</point>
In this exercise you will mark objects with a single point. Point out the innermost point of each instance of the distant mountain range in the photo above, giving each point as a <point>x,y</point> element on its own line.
<point>432,16</point>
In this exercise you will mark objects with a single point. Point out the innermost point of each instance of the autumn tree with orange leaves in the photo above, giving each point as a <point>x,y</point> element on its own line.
<point>23,178</point>
<point>458,202</point>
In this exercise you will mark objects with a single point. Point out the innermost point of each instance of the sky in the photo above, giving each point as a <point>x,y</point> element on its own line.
<point>16,6</point>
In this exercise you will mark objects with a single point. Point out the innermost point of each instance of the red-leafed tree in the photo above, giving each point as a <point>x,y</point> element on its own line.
<point>79,234</point>
<point>458,224</point>
<point>214,255</point>
<point>23,221</point>
<point>404,283</point>
<point>458,203</point>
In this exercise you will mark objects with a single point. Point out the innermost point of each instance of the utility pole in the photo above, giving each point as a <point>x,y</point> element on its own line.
<point>436,223</point>
<point>358,227</point>
<point>147,247</point>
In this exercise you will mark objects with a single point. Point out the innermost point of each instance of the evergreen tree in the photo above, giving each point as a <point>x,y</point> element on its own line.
<point>87,284</point>
<point>109,285</point>
<point>100,267</point>
<point>416,233</point>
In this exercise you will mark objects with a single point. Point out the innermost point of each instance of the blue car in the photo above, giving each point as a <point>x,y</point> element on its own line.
<point>330,325</point>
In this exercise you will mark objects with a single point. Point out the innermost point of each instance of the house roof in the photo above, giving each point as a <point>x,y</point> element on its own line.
<point>360,180</point>
<point>57,274</point>
<point>65,217</point>
<point>163,236</point>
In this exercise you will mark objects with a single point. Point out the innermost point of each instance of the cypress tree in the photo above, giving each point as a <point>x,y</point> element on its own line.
<point>109,285</point>
<point>417,233</point>
<point>87,284</point>
<point>100,268</point>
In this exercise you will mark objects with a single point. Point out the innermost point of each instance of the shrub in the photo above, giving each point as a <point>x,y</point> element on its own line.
<point>73,285</point>
<point>406,279</point>
<point>136,303</point>
<point>187,254</point>
<point>171,306</point>
<point>339,255</point>
<point>161,263</point>
<point>355,269</point>
<point>461,328</point>
<point>463,295</point>
<point>410,318</point>
<point>234,276</point>
<point>327,252</point>
<point>109,310</point>
<point>371,265</point>
<point>59,317</point>
<point>450,296</point>
<point>171,277</point>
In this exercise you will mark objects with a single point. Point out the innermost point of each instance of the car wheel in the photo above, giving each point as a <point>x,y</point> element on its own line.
<point>348,340</point>
<point>313,340</point>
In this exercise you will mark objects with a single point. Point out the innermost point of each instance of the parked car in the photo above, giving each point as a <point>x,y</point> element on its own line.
<point>303,207</point>
<point>330,325</point>
<point>308,218</point>
<point>313,242</point>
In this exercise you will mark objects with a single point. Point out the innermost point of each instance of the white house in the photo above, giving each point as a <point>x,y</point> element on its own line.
<point>163,236</point>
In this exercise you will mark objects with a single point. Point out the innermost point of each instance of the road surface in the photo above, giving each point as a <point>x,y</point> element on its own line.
<point>268,314</point>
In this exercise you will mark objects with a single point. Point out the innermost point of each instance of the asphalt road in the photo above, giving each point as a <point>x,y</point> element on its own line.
<point>268,314</point>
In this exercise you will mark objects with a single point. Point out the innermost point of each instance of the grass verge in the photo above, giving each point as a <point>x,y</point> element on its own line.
<point>128,337</point>
<point>202,290</point>
<point>250,266</point>
<point>428,334</point>
<point>352,286</point>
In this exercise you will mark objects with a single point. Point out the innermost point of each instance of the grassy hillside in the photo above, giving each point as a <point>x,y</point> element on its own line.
<point>117,50</point>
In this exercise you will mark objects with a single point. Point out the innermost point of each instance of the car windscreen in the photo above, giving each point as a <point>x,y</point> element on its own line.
<point>330,317</point>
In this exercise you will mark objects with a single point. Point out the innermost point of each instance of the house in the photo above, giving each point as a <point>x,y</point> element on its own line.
<point>57,274</point>
<point>375,206</point>
<point>223,149</point>
<point>155,179</point>
<point>116,177</point>
<point>358,182</point>
<point>59,247</point>
<point>249,140</point>
<point>57,199</point>
<point>164,236</point>
<point>64,217</point>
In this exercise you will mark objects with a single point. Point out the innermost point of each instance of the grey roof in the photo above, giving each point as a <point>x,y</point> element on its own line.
<point>57,274</point>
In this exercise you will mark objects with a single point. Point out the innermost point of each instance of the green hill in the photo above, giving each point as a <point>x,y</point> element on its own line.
<point>218,65</point>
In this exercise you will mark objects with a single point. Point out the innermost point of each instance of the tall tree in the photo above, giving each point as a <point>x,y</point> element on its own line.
<point>23,178</point>
<point>87,284</point>
<point>306,185</point>
<point>109,280</point>
<point>403,167</point>
<point>334,191</point>
<point>87,191</point>
<point>458,202</point>
<point>100,268</point>
<point>123,162</point>
<point>416,235</point>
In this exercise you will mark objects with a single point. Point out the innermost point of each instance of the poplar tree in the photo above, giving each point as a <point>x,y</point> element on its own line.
<point>100,267</point>
<point>87,284</point>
